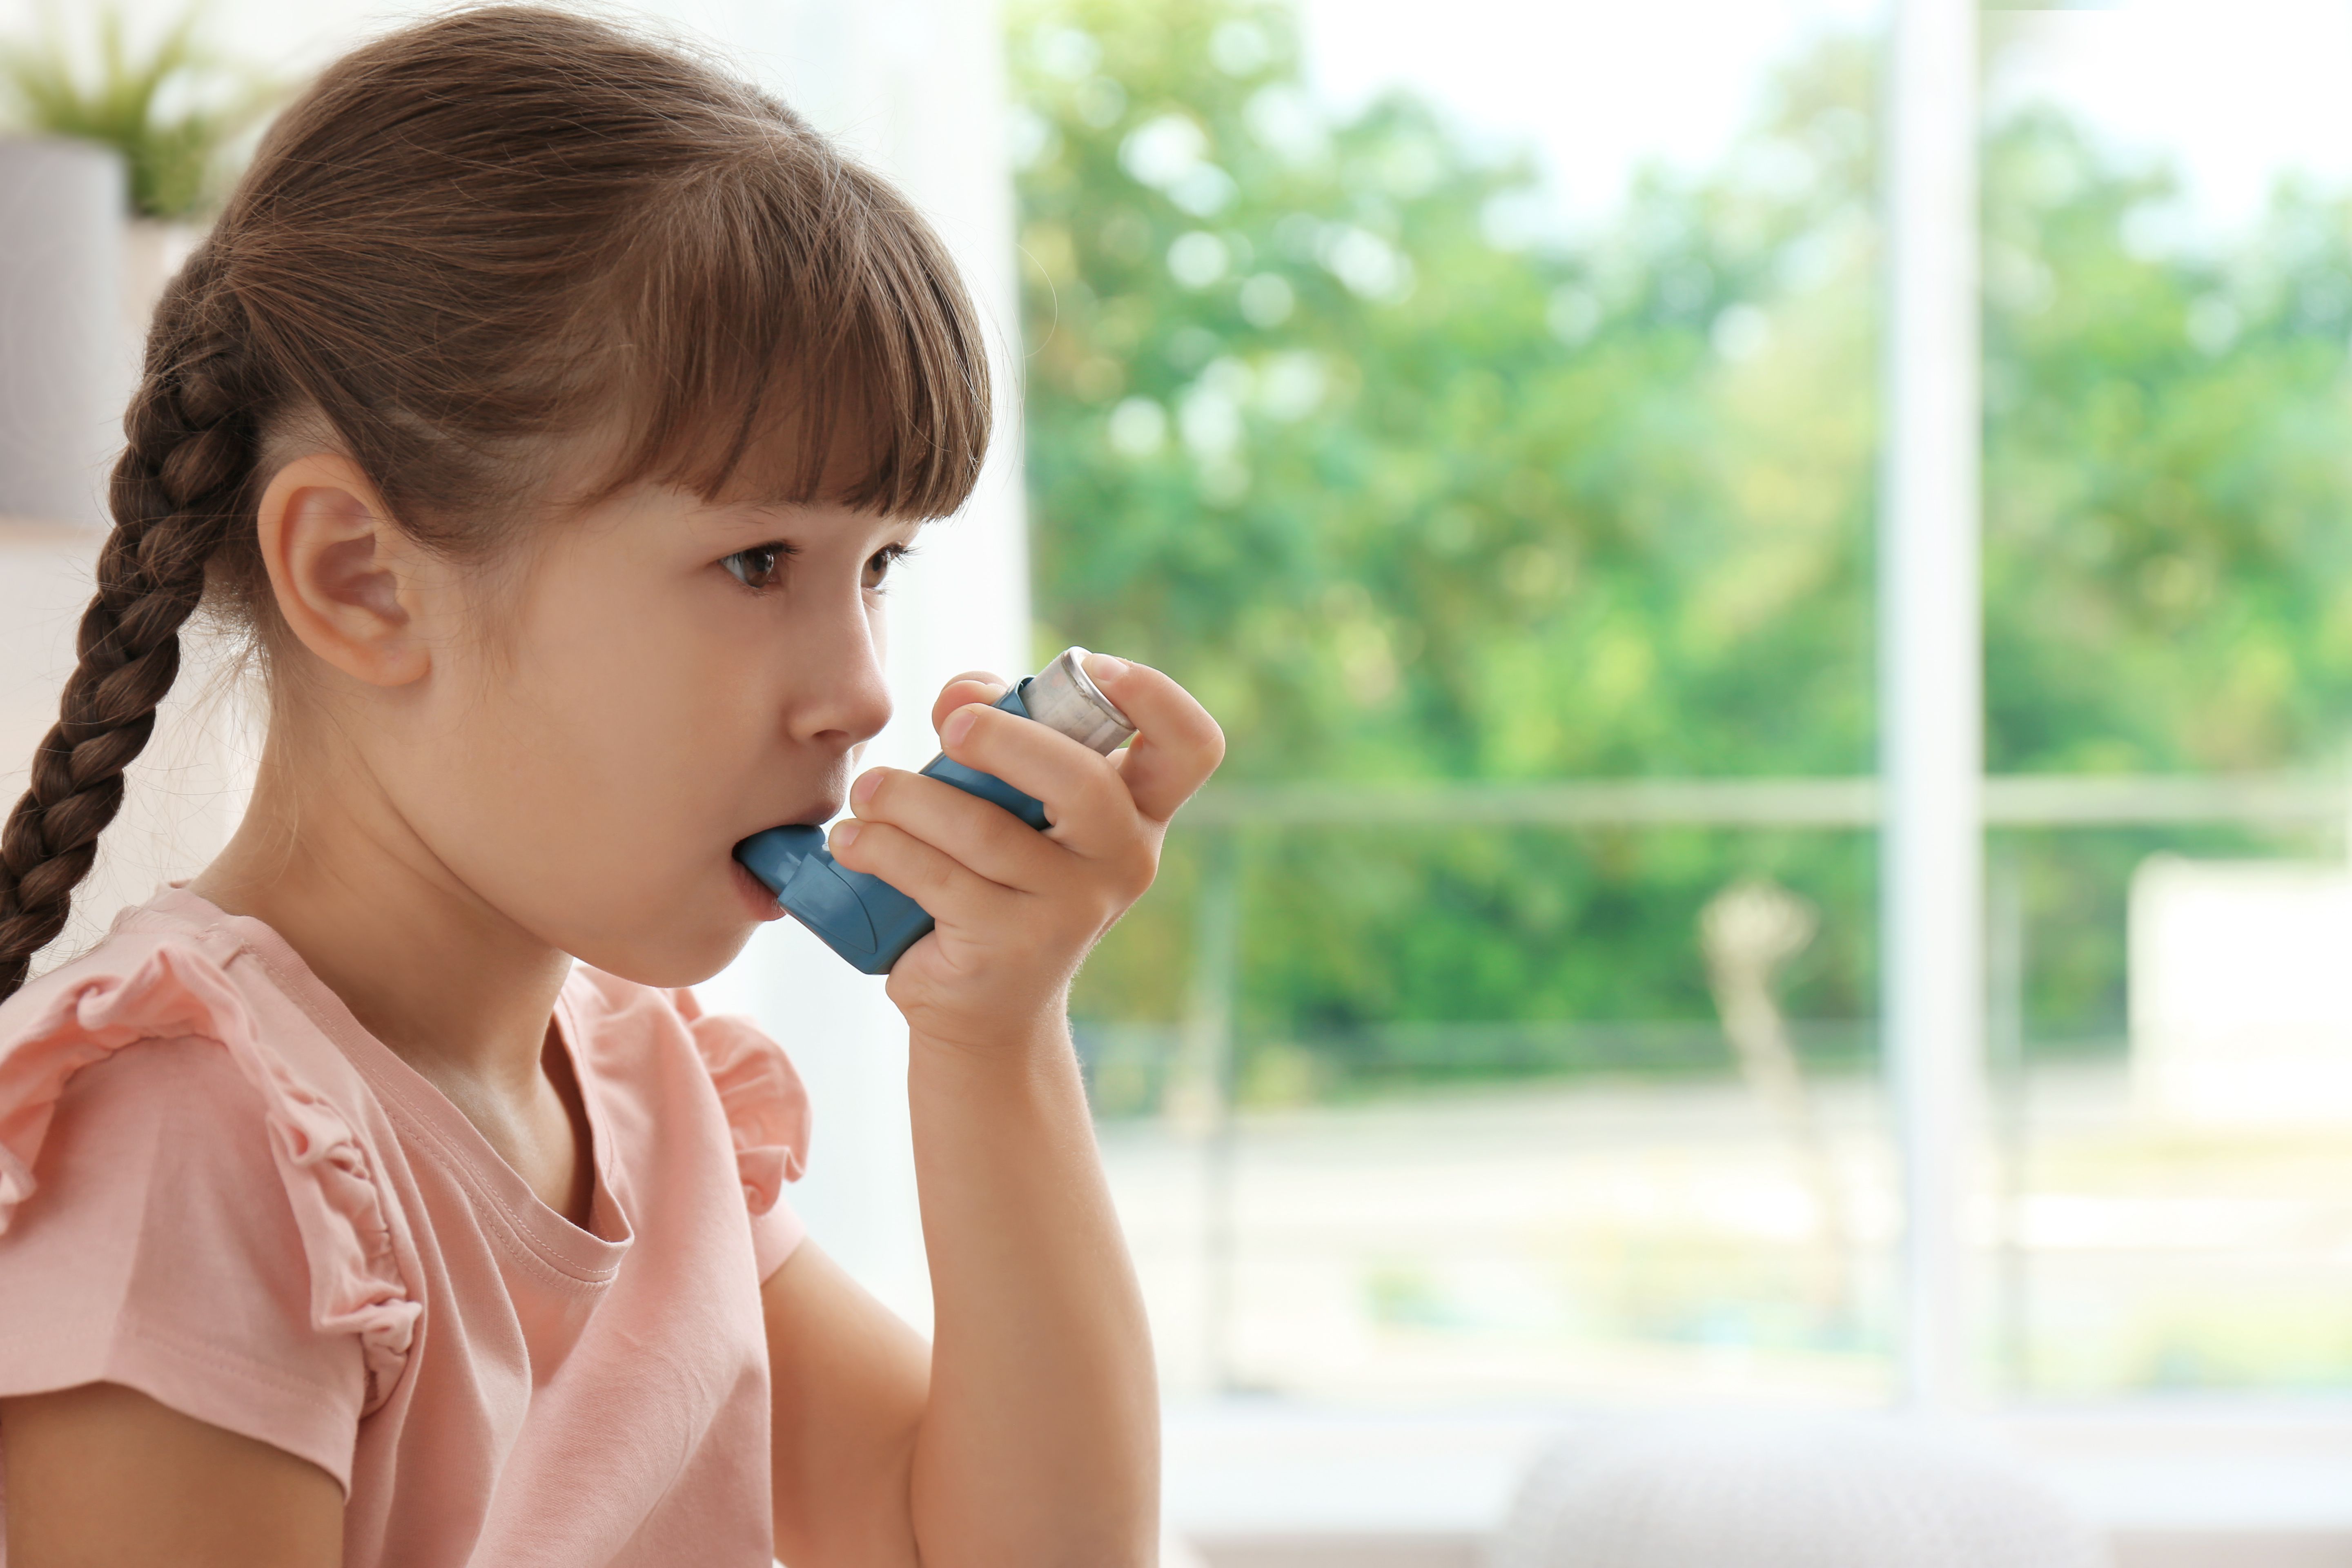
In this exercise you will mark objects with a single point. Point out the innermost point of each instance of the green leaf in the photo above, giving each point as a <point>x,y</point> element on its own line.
<point>174,112</point>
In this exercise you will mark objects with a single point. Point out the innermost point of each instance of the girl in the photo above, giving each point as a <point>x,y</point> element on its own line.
<point>552,409</point>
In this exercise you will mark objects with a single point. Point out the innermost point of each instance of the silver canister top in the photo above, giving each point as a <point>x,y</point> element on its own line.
<point>1062,697</point>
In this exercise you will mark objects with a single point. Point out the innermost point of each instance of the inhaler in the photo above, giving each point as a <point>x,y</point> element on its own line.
<point>865,919</point>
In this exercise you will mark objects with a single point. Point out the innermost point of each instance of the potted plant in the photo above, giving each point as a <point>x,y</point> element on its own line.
<point>176,112</point>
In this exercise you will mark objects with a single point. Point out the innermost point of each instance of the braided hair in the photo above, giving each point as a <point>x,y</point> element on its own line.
<point>174,492</point>
<point>469,239</point>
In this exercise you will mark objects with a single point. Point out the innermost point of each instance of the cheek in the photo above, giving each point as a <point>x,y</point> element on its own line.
<point>635,724</point>
<point>588,763</point>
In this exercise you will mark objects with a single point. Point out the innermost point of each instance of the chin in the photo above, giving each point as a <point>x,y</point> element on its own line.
<point>668,952</point>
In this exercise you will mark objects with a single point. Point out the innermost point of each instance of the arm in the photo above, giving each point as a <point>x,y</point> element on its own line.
<point>1036,1441</point>
<point>848,1380</point>
<point>1041,1441</point>
<point>103,1477</point>
<point>852,1382</point>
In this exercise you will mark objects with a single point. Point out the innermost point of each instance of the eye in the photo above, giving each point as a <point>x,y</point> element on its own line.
<point>878,567</point>
<point>759,567</point>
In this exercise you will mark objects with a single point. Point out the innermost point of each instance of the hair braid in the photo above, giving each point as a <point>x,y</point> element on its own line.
<point>177,490</point>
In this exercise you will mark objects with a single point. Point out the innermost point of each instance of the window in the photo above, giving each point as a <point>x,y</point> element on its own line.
<point>1496,437</point>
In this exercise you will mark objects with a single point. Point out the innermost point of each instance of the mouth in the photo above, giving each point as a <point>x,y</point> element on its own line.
<point>757,896</point>
<point>814,814</point>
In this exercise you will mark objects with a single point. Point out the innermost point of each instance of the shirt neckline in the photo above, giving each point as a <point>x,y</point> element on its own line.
<point>499,1190</point>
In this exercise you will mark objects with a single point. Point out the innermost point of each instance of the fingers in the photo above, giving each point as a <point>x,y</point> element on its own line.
<point>950,891</point>
<point>985,838</point>
<point>972,686</point>
<point>1085,801</point>
<point>1106,811</point>
<point>1177,745</point>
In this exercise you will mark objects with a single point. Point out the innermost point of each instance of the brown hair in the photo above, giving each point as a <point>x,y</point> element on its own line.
<point>468,242</point>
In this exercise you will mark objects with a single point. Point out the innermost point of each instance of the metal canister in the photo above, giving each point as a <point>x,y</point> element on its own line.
<point>1064,698</point>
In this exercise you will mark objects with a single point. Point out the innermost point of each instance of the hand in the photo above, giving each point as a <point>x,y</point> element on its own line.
<point>1018,909</point>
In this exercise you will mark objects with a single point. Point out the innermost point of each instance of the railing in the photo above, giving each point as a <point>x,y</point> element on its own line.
<point>2014,800</point>
<point>1230,818</point>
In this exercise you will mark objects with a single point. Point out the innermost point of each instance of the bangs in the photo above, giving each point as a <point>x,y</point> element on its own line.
<point>790,332</point>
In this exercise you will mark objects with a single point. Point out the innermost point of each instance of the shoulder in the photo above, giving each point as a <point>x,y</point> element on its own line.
<point>161,1255</point>
<point>134,987</point>
<point>758,1092</point>
<point>155,1160</point>
<point>157,1121</point>
<point>232,1116</point>
<point>154,1232</point>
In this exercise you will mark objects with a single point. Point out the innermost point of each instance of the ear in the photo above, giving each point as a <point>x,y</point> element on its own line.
<point>343,573</point>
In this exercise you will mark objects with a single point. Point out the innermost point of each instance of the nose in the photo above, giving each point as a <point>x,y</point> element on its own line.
<point>844,696</point>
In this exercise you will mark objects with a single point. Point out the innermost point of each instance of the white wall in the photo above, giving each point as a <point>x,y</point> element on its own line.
<point>915,87</point>
<point>63,367</point>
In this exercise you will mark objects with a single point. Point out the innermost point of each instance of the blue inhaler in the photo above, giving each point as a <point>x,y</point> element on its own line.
<point>865,919</point>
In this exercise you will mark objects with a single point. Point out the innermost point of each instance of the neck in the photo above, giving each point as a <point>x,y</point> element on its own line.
<point>450,985</point>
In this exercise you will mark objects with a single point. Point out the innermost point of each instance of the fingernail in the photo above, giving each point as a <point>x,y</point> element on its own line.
<point>845,833</point>
<point>867,783</point>
<point>959,725</point>
<point>1103,667</point>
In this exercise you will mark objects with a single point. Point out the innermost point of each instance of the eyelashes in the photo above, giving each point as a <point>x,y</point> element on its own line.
<point>761,567</point>
<point>877,566</point>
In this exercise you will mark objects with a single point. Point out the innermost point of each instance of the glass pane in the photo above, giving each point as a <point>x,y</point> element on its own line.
<point>1469,431</point>
<point>2168,295</point>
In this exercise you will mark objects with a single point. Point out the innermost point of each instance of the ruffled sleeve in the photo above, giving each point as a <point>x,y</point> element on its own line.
<point>137,988</point>
<point>767,1111</point>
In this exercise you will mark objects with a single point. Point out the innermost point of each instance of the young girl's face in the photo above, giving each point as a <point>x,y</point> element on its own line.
<point>664,676</point>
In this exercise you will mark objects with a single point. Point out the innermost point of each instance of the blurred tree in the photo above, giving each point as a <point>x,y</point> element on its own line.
<point>2168,564</point>
<point>2169,582</point>
<point>1324,417</point>
<point>1407,492</point>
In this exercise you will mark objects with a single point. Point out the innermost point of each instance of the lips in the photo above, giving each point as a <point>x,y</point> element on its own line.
<point>815,814</point>
<point>761,902</point>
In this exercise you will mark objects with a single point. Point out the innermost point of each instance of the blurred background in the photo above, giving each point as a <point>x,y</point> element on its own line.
<point>1487,411</point>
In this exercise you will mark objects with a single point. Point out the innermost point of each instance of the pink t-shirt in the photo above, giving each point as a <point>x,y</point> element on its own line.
<point>217,1189</point>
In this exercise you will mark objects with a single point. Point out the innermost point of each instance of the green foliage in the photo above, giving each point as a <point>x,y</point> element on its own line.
<point>2170,572</point>
<point>1403,495</point>
<point>2168,564</point>
<point>1422,504</point>
<point>172,113</point>
<point>1406,489</point>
